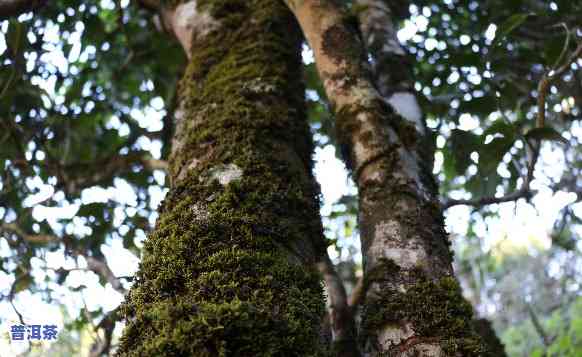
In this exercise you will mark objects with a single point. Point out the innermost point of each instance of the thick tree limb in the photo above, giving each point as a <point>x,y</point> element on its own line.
<point>392,68</point>
<point>9,8</point>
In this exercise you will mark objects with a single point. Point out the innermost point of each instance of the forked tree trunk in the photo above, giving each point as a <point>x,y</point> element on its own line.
<point>413,304</point>
<point>227,269</point>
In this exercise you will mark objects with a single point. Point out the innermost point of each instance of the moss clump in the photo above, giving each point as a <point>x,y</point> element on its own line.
<point>224,272</point>
<point>484,328</point>
<point>434,308</point>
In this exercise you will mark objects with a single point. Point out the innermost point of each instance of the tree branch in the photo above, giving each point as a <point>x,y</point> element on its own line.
<point>9,8</point>
<point>29,238</point>
<point>341,316</point>
<point>484,201</point>
<point>525,191</point>
<point>106,169</point>
<point>153,5</point>
<point>107,324</point>
<point>100,267</point>
<point>546,340</point>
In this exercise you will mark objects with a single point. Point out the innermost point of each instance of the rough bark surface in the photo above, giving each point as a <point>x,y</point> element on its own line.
<point>392,73</point>
<point>391,66</point>
<point>413,304</point>
<point>225,272</point>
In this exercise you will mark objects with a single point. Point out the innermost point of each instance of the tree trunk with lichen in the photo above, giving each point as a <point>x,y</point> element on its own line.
<point>413,304</point>
<point>227,270</point>
<point>392,73</point>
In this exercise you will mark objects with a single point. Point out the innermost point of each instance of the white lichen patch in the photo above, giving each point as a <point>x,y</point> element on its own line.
<point>392,335</point>
<point>188,23</point>
<point>392,46</point>
<point>224,174</point>
<point>405,104</point>
<point>410,170</point>
<point>200,212</point>
<point>259,86</point>
<point>428,350</point>
<point>390,243</point>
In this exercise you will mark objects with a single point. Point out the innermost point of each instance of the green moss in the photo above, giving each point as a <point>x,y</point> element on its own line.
<point>435,308</point>
<point>224,272</point>
<point>484,328</point>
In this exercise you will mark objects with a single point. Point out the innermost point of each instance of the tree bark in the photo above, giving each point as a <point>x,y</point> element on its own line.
<point>228,268</point>
<point>392,72</point>
<point>413,304</point>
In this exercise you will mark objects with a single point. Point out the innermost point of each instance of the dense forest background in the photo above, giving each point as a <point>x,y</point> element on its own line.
<point>87,93</point>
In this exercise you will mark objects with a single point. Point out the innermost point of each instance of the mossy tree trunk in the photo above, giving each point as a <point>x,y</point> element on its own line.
<point>413,304</point>
<point>227,270</point>
<point>392,73</point>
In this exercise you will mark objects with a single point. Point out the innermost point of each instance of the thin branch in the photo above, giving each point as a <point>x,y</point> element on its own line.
<point>13,293</point>
<point>100,267</point>
<point>341,316</point>
<point>547,80</point>
<point>102,346</point>
<point>106,169</point>
<point>546,340</point>
<point>29,238</point>
<point>483,201</point>
<point>525,191</point>
<point>9,8</point>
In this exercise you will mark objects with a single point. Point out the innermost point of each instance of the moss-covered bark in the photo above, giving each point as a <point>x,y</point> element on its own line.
<point>225,271</point>
<point>413,305</point>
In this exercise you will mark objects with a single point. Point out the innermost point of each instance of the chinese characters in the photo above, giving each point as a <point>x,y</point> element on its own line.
<point>33,332</point>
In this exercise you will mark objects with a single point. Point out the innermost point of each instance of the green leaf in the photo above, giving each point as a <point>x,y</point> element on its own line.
<point>463,143</point>
<point>23,283</point>
<point>508,26</point>
<point>545,133</point>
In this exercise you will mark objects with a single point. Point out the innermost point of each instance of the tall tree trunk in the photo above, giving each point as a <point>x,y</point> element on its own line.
<point>227,270</point>
<point>392,73</point>
<point>413,304</point>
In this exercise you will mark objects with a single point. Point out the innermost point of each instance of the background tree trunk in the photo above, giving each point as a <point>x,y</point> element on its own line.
<point>227,270</point>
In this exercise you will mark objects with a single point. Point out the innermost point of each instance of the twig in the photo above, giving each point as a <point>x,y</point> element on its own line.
<point>546,340</point>
<point>29,238</point>
<point>525,191</point>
